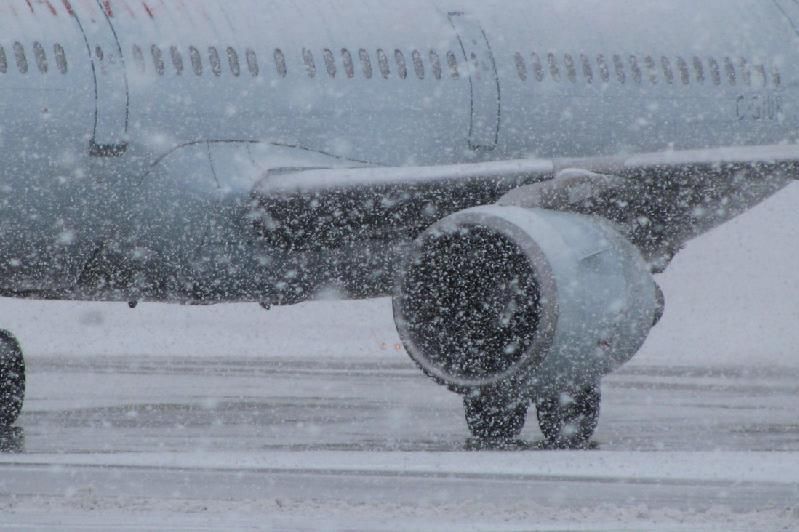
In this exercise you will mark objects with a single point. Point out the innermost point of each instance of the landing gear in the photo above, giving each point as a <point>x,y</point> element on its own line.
<point>494,417</point>
<point>568,420</point>
<point>12,379</point>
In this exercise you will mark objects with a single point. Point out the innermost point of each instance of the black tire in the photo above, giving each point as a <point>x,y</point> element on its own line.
<point>494,417</point>
<point>569,420</point>
<point>12,379</point>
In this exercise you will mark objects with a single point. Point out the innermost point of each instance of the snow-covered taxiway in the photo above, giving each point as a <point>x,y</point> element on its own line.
<point>312,417</point>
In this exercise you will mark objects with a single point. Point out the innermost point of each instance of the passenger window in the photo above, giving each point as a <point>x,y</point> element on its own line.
<point>729,68</point>
<point>635,70</point>
<point>22,61</point>
<point>3,61</point>
<point>366,63</point>
<point>402,68</point>
<point>699,70</point>
<point>668,73</point>
<point>554,69</point>
<point>98,53</point>
<point>538,68</point>
<point>619,66</point>
<point>349,67</point>
<point>310,64</point>
<point>571,70</point>
<point>41,57</point>
<point>746,74</point>
<point>715,71</point>
<point>521,67</point>
<point>435,64</point>
<point>382,61</point>
<point>196,61</point>
<point>233,61</point>
<point>588,71</point>
<point>475,66</point>
<point>330,62</point>
<point>216,62</point>
<point>604,71</point>
<point>452,61</point>
<point>177,60</point>
<point>61,58</point>
<point>685,74</point>
<point>652,69</point>
<point>138,58</point>
<point>158,59</point>
<point>252,62</point>
<point>418,64</point>
<point>280,63</point>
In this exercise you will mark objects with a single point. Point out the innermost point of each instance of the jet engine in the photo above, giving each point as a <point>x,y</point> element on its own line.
<point>532,300</point>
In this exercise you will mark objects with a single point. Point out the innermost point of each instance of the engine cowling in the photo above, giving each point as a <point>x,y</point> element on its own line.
<point>496,296</point>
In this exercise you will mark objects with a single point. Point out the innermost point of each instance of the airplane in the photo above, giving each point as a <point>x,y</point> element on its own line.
<point>510,172</point>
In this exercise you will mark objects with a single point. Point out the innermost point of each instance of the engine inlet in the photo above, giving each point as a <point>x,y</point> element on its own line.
<point>470,305</point>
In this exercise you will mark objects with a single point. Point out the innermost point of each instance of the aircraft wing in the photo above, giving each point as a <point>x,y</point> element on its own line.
<point>330,206</point>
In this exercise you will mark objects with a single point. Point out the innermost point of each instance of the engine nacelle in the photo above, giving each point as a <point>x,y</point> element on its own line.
<point>531,298</point>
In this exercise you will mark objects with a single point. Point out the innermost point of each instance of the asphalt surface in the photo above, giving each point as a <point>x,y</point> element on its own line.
<point>145,442</point>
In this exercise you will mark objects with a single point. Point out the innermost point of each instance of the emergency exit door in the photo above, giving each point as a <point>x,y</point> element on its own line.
<point>109,137</point>
<point>483,80</point>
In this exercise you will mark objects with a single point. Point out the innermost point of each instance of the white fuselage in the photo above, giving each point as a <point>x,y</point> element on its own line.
<point>140,126</point>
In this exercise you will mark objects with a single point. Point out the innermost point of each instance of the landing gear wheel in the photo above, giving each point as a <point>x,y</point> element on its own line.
<point>568,420</point>
<point>12,379</point>
<point>492,417</point>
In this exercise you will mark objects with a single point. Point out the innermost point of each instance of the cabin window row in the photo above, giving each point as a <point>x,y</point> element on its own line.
<point>214,60</point>
<point>384,63</point>
<point>39,54</point>
<point>637,70</point>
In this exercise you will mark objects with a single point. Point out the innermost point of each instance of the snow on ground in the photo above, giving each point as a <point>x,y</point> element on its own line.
<point>637,466</point>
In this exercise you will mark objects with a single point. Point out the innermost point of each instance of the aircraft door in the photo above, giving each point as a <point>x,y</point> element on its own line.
<point>109,136</point>
<point>483,79</point>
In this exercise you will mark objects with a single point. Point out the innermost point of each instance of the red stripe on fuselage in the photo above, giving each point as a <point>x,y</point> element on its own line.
<point>107,8</point>
<point>51,7</point>
<point>128,8</point>
<point>147,9</point>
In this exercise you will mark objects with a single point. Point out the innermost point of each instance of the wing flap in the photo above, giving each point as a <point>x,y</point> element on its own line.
<point>326,208</point>
<point>686,191</point>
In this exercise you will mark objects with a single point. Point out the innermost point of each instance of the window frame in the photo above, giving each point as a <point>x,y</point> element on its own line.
<point>251,58</point>
<point>234,63</point>
<point>349,63</point>
<point>571,67</point>
<point>177,60</point>
<point>280,62</point>
<point>418,65</point>
<point>196,60</point>
<point>330,63</point>
<point>20,58</point>
<point>367,69</point>
<point>310,62</point>
<point>157,55</point>
<point>215,60</point>
<point>435,65</point>
<point>521,66</point>
<point>402,65</point>
<point>40,56</point>
<point>383,63</point>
